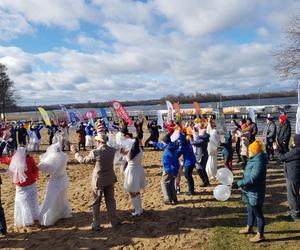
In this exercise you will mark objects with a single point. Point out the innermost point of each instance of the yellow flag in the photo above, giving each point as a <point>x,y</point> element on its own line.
<point>45,116</point>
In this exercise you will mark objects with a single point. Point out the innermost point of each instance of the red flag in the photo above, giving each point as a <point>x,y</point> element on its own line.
<point>121,112</point>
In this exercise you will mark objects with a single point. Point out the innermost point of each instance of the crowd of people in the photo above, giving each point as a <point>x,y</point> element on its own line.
<point>185,148</point>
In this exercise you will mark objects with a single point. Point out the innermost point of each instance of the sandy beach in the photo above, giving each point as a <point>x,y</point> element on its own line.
<point>197,222</point>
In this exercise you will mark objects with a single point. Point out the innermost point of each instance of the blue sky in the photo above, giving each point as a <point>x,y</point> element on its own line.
<point>64,51</point>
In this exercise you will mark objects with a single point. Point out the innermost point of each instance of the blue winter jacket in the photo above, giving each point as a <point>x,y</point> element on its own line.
<point>170,160</point>
<point>186,149</point>
<point>36,130</point>
<point>254,180</point>
<point>88,130</point>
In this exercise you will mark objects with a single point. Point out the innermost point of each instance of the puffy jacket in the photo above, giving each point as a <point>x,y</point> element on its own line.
<point>186,149</point>
<point>170,160</point>
<point>32,171</point>
<point>254,180</point>
<point>200,143</point>
<point>227,151</point>
<point>269,133</point>
<point>291,161</point>
<point>36,130</point>
<point>89,130</point>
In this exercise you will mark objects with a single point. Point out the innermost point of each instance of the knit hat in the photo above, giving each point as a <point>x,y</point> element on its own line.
<point>283,118</point>
<point>255,147</point>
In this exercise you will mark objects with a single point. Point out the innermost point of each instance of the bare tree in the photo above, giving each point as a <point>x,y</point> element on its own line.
<point>7,93</point>
<point>287,57</point>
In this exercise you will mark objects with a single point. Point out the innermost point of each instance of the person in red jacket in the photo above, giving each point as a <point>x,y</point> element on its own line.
<point>24,172</point>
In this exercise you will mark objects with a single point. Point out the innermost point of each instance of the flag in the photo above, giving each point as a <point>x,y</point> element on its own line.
<point>45,116</point>
<point>66,113</point>
<point>121,112</point>
<point>73,118</point>
<point>197,108</point>
<point>104,117</point>
<point>114,115</point>
<point>170,111</point>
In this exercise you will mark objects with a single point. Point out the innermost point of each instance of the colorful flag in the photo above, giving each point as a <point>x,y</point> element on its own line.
<point>121,112</point>
<point>73,118</point>
<point>104,117</point>
<point>114,115</point>
<point>45,116</point>
<point>66,113</point>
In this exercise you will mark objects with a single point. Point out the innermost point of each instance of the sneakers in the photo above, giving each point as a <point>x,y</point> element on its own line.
<point>257,238</point>
<point>246,230</point>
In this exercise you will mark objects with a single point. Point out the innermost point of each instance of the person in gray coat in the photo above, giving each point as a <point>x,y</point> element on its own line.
<point>103,179</point>
<point>269,137</point>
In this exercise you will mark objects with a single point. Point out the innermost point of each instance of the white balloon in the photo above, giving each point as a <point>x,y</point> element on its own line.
<point>222,192</point>
<point>224,176</point>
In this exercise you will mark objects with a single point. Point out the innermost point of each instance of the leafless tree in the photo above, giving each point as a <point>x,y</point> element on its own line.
<point>7,92</point>
<point>287,57</point>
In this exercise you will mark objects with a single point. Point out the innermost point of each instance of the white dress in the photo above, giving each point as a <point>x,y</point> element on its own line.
<point>134,175</point>
<point>212,148</point>
<point>26,206</point>
<point>56,204</point>
<point>89,141</point>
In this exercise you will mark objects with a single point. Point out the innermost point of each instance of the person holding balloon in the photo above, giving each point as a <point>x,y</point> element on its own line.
<point>253,186</point>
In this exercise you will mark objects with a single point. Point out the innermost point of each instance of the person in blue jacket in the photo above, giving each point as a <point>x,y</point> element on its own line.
<point>227,151</point>
<point>253,185</point>
<point>189,160</point>
<point>170,165</point>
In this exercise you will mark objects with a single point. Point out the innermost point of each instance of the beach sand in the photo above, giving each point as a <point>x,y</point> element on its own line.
<point>188,225</point>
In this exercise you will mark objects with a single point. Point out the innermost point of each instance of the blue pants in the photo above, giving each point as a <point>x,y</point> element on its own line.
<point>255,212</point>
<point>188,172</point>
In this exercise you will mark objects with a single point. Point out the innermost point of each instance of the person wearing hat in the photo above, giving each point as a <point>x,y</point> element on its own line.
<point>291,161</point>
<point>253,185</point>
<point>269,137</point>
<point>284,133</point>
<point>103,179</point>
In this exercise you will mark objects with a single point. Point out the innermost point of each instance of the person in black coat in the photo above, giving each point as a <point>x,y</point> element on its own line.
<point>51,131</point>
<point>3,228</point>
<point>22,134</point>
<point>284,133</point>
<point>154,132</point>
<point>291,161</point>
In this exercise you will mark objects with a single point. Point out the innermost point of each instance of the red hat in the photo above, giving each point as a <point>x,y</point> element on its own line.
<point>283,118</point>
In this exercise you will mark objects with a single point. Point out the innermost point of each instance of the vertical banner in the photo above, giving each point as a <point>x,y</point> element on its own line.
<point>298,112</point>
<point>121,112</point>
<point>160,120</point>
<point>45,116</point>
<point>197,108</point>
<point>104,117</point>
<point>114,115</point>
<point>66,113</point>
<point>79,116</point>
<point>251,114</point>
<point>73,118</point>
<point>170,111</point>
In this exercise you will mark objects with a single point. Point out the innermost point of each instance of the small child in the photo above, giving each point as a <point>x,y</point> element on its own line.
<point>170,164</point>
<point>24,173</point>
<point>227,151</point>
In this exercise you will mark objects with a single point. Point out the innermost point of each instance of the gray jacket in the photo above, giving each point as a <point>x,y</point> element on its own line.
<point>103,173</point>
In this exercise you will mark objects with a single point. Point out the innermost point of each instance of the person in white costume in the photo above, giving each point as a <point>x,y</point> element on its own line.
<point>24,172</point>
<point>134,176</point>
<point>212,148</point>
<point>56,205</point>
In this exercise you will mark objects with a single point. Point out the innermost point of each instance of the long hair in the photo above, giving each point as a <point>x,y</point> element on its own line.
<point>135,149</point>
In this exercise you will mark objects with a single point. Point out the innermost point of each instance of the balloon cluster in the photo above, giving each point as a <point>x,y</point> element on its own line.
<point>225,177</point>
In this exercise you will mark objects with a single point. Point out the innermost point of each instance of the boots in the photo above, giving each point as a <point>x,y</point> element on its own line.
<point>137,204</point>
<point>257,238</point>
<point>246,230</point>
<point>204,178</point>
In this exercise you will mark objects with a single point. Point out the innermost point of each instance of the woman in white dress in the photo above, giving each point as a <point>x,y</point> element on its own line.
<point>56,204</point>
<point>134,176</point>
<point>24,172</point>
